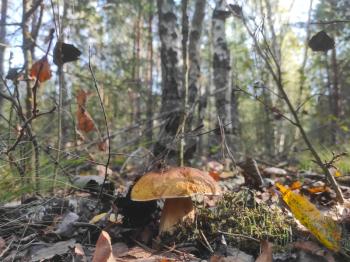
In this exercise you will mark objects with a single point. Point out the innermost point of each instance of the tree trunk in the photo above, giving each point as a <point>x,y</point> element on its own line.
<point>171,79</point>
<point>149,106</point>
<point>194,74</point>
<point>335,97</point>
<point>137,77</point>
<point>3,45</point>
<point>221,68</point>
<point>27,55</point>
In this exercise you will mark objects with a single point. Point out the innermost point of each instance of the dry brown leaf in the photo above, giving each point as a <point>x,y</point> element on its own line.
<point>214,175</point>
<point>103,250</point>
<point>138,252</point>
<point>2,245</point>
<point>102,146</point>
<point>79,252</point>
<point>82,97</point>
<point>313,248</point>
<point>101,169</point>
<point>266,252</point>
<point>41,70</point>
<point>120,249</point>
<point>85,122</point>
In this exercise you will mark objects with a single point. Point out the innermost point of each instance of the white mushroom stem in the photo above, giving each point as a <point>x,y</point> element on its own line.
<point>176,210</point>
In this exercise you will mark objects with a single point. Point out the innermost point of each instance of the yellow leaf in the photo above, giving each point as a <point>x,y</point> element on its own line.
<point>324,228</point>
<point>335,172</point>
<point>97,218</point>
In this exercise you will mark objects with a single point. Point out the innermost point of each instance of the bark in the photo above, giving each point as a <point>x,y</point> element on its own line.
<point>221,69</point>
<point>269,128</point>
<point>28,9</point>
<point>66,123</point>
<point>194,73</point>
<point>149,106</point>
<point>185,30</point>
<point>335,97</point>
<point>137,78</point>
<point>2,46</point>
<point>171,79</point>
<point>27,54</point>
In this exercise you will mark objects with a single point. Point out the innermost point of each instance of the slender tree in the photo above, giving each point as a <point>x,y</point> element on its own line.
<point>221,70</point>
<point>171,78</point>
<point>2,44</point>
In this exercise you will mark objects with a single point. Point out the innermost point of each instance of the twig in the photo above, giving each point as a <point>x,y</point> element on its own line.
<point>106,124</point>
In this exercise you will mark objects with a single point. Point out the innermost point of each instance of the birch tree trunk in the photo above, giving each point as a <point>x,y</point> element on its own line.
<point>171,79</point>
<point>3,44</point>
<point>221,70</point>
<point>194,73</point>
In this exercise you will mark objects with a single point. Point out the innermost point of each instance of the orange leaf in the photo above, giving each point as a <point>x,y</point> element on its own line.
<point>103,250</point>
<point>214,175</point>
<point>41,70</point>
<point>296,185</point>
<point>317,189</point>
<point>85,122</point>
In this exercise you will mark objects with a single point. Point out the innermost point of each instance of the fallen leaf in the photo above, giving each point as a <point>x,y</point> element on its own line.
<point>214,175</point>
<point>138,252</point>
<point>41,70</point>
<point>2,245</point>
<point>97,218</point>
<point>313,248</point>
<point>57,249</point>
<point>103,250</point>
<point>66,227</point>
<point>296,185</point>
<point>85,122</point>
<point>101,169</point>
<point>317,189</point>
<point>335,172</point>
<point>120,249</point>
<point>266,252</point>
<point>103,146</point>
<point>79,253</point>
<point>324,228</point>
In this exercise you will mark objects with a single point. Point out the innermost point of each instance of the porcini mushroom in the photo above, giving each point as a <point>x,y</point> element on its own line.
<point>176,185</point>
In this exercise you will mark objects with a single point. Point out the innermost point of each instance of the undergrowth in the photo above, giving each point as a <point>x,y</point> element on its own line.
<point>241,220</point>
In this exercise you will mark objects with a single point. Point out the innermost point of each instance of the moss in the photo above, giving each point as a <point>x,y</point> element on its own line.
<point>241,220</point>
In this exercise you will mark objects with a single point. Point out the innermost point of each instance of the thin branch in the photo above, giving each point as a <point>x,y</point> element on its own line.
<point>106,125</point>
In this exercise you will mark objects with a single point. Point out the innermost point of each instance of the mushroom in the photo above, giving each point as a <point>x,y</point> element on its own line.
<point>176,185</point>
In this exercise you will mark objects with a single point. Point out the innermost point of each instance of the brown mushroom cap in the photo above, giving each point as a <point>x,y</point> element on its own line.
<point>175,182</point>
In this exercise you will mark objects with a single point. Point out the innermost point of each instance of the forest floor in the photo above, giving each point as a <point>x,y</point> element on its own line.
<point>248,222</point>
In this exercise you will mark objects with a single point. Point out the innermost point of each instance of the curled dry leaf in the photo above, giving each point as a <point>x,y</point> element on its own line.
<point>64,53</point>
<point>103,251</point>
<point>313,248</point>
<point>2,245</point>
<point>266,252</point>
<point>41,70</point>
<point>85,122</point>
<point>103,146</point>
<point>82,97</point>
